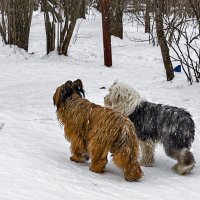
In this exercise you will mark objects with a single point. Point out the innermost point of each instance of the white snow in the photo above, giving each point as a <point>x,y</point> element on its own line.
<point>34,156</point>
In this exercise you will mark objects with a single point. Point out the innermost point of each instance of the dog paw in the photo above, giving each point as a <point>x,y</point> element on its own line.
<point>131,179</point>
<point>97,170</point>
<point>146,164</point>
<point>133,172</point>
<point>182,169</point>
<point>133,176</point>
<point>76,159</point>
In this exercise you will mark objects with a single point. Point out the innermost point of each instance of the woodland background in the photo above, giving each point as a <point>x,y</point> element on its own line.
<point>166,21</point>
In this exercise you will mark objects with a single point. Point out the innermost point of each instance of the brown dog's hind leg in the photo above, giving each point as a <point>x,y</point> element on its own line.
<point>98,155</point>
<point>98,165</point>
<point>131,167</point>
<point>77,150</point>
<point>133,172</point>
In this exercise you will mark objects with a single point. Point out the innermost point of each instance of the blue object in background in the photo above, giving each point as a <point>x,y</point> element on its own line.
<point>177,68</point>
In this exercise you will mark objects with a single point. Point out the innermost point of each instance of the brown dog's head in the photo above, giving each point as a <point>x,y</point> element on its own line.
<point>62,93</point>
<point>66,90</point>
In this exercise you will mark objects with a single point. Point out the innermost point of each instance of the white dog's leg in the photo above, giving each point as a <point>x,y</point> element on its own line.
<point>185,163</point>
<point>107,102</point>
<point>147,150</point>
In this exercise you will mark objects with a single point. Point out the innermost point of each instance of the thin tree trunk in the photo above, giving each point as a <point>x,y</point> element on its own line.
<point>147,16</point>
<point>18,15</point>
<point>72,12</point>
<point>116,17</point>
<point>162,40</point>
<point>49,28</point>
<point>66,42</point>
<point>3,24</point>
<point>82,10</point>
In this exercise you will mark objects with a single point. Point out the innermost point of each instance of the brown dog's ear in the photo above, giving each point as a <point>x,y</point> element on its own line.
<point>56,96</point>
<point>78,83</point>
<point>62,93</point>
<point>65,92</point>
<point>68,83</point>
<point>78,87</point>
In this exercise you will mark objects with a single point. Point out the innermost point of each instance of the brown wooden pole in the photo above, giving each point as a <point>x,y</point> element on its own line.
<point>106,33</point>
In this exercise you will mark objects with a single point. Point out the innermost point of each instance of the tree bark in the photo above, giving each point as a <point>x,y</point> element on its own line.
<point>49,28</point>
<point>82,10</point>
<point>116,17</point>
<point>147,16</point>
<point>72,11</point>
<point>3,23</point>
<point>68,37</point>
<point>18,15</point>
<point>106,33</point>
<point>162,40</point>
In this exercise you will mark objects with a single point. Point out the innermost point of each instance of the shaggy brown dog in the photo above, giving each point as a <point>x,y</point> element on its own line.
<point>94,130</point>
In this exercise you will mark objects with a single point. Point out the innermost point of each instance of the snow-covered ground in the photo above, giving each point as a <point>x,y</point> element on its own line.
<point>34,156</point>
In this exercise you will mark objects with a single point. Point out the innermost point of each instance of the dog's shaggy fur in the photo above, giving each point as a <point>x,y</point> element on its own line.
<point>95,131</point>
<point>171,126</point>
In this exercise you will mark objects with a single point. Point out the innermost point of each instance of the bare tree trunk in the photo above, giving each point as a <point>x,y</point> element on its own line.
<point>66,41</point>
<point>98,5</point>
<point>162,40</point>
<point>3,23</point>
<point>106,33</point>
<point>147,16</point>
<point>116,17</point>
<point>50,33</point>
<point>49,27</point>
<point>36,4</point>
<point>196,10</point>
<point>16,27</point>
<point>82,9</point>
<point>72,11</point>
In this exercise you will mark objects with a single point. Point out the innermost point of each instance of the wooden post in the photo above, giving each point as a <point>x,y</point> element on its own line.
<point>106,33</point>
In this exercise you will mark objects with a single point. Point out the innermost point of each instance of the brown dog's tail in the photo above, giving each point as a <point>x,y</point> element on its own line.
<point>125,150</point>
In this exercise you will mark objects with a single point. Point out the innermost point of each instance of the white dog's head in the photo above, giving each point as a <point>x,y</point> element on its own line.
<point>122,97</point>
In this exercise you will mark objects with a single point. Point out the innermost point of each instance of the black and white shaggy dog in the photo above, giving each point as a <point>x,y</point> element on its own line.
<point>169,125</point>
